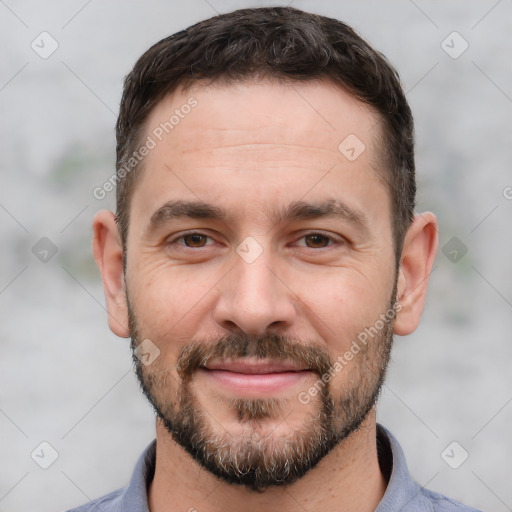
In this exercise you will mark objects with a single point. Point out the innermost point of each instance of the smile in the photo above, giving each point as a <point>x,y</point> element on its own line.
<point>254,377</point>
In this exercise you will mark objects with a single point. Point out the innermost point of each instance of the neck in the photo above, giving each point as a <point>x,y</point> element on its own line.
<point>348,479</point>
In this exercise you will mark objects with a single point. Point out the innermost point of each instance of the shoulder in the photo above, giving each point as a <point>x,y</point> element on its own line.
<point>109,503</point>
<point>403,492</point>
<point>441,503</point>
<point>134,495</point>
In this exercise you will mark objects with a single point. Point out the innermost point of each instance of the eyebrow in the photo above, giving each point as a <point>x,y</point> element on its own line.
<point>297,210</point>
<point>184,209</point>
<point>301,210</point>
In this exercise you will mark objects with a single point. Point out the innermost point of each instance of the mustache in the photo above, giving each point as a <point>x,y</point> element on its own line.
<point>241,345</point>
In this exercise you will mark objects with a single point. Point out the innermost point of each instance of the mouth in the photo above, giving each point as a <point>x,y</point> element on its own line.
<point>254,377</point>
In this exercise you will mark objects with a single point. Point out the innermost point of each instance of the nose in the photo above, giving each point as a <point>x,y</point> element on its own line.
<point>255,298</point>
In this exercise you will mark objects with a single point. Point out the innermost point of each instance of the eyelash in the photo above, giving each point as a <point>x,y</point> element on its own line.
<point>330,238</point>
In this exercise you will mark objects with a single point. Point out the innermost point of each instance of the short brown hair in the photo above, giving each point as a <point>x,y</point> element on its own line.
<point>275,42</point>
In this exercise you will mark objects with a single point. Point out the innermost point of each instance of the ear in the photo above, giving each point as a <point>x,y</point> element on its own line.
<point>418,255</point>
<point>107,251</point>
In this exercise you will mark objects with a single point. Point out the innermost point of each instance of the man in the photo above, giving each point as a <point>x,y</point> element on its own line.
<point>264,251</point>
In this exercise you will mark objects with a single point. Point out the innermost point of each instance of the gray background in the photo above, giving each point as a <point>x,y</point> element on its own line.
<point>66,380</point>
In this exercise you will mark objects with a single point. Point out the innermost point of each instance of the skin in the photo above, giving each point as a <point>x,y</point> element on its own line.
<point>251,149</point>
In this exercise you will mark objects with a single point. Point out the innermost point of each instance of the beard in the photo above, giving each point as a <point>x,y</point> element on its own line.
<point>259,458</point>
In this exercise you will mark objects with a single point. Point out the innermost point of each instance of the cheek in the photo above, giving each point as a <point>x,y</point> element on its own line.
<point>168,302</point>
<point>343,306</point>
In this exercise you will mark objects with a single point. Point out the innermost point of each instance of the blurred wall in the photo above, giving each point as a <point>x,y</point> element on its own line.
<point>66,380</point>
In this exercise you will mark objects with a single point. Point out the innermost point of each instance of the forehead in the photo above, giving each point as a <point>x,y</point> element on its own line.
<point>263,138</point>
<point>318,114</point>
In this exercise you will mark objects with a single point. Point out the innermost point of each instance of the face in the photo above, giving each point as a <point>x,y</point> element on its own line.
<point>260,274</point>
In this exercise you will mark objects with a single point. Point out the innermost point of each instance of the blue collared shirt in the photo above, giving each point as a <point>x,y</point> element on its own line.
<point>403,494</point>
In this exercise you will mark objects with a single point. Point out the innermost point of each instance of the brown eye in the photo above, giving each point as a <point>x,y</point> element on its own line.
<point>317,241</point>
<point>195,240</point>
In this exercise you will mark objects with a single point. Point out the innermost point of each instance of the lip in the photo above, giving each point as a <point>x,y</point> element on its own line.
<point>254,378</point>
<point>251,366</point>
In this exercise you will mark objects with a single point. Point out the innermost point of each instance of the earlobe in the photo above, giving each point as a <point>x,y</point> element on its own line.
<point>108,254</point>
<point>417,259</point>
